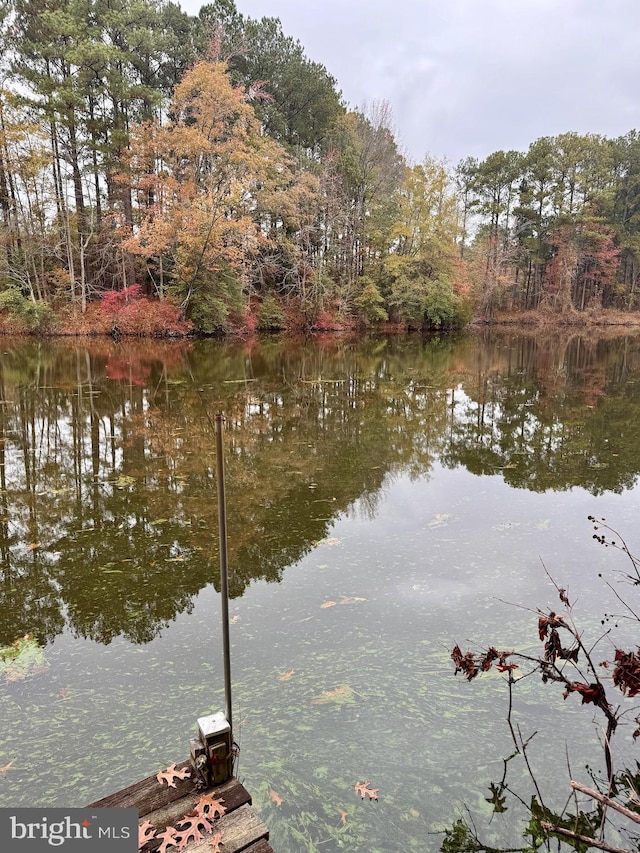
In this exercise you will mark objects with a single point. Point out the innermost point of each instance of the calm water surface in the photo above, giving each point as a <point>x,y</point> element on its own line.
<point>387,499</point>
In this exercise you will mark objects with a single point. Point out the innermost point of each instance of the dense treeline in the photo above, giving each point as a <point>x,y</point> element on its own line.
<point>559,225</point>
<point>203,168</point>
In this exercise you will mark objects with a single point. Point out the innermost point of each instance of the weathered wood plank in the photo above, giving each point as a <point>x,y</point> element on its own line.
<point>162,806</point>
<point>234,796</point>
<point>148,794</point>
<point>239,829</point>
<point>261,846</point>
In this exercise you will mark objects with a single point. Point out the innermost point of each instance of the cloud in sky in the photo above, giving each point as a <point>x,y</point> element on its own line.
<point>468,77</point>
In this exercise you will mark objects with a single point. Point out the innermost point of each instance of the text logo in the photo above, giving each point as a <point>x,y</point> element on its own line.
<point>35,830</point>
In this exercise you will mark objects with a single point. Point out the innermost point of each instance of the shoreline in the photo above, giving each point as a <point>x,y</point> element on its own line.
<point>86,327</point>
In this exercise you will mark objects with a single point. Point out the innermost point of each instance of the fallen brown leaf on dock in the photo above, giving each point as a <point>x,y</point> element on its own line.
<point>168,839</point>
<point>210,806</point>
<point>146,831</point>
<point>172,773</point>
<point>192,827</point>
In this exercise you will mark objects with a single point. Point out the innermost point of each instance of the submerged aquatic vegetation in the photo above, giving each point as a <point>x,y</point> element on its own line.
<point>24,657</point>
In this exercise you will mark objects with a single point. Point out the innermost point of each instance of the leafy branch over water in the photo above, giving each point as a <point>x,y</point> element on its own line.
<point>567,660</point>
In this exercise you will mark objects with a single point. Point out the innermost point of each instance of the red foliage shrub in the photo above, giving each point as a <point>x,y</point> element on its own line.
<point>327,321</point>
<point>115,300</point>
<point>131,313</point>
<point>250,321</point>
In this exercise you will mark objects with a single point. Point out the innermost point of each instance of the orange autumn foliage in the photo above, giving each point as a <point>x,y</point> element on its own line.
<point>201,179</point>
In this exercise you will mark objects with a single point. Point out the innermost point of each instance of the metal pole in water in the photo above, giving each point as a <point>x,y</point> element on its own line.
<point>224,574</point>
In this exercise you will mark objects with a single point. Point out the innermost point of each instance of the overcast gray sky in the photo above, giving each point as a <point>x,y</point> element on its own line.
<point>468,77</point>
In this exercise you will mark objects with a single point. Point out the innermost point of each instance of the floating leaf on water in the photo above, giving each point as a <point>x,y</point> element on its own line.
<point>33,546</point>
<point>275,797</point>
<point>159,521</point>
<point>22,658</point>
<point>342,695</point>
<point>328,604</point>
<point>363,789</point>
<point>352,600</point>
<point>286,675</point>
<point>439,518</point>
<point>5,767</point>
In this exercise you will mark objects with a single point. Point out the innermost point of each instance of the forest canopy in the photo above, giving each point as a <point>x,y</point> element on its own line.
<point>167,172</point>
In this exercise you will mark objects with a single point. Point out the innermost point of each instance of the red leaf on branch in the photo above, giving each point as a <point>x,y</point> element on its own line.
<point>626,675</point>
<point>589,692</point>
<point>568,654</point>
<point>464,663</point>
<point>546,622</point>
<point>486,661</point>
<point>543,625</point>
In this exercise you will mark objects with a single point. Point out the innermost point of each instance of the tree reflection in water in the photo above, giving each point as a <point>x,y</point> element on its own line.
<point>107,464</point>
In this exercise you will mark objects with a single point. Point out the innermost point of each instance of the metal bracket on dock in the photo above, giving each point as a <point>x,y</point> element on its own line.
<point>212,751</point>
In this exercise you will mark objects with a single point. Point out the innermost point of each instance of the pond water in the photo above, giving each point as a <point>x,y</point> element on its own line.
<point>387,499</point>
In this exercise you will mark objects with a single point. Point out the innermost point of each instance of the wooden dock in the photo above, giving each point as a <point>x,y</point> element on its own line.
<point>228,824</point>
